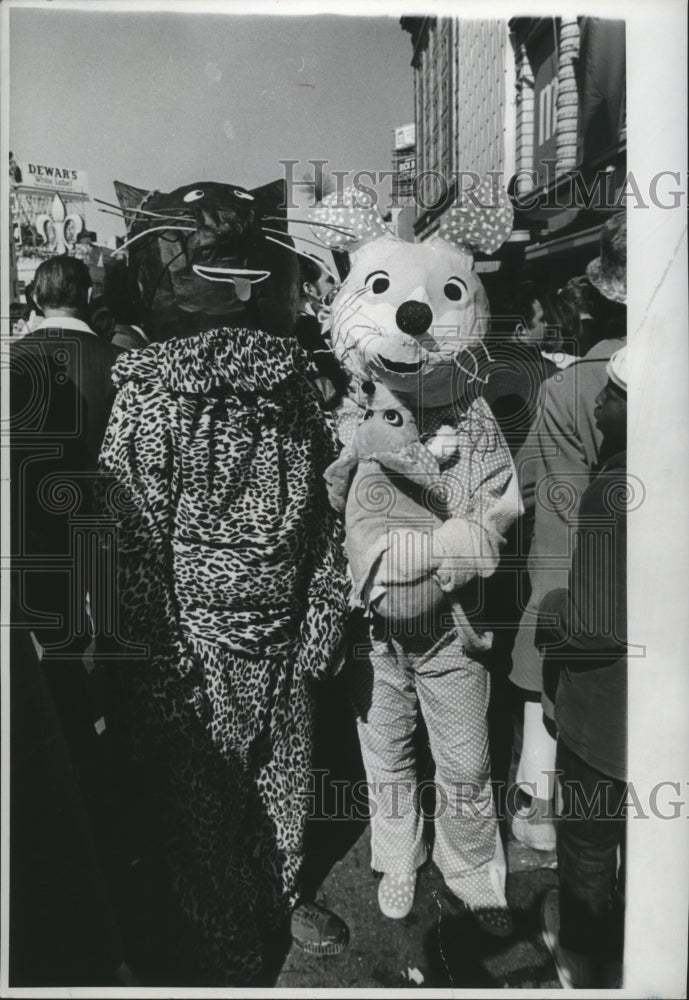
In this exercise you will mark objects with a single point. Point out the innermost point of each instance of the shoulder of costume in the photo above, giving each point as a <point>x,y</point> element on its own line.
<point>142,365</point>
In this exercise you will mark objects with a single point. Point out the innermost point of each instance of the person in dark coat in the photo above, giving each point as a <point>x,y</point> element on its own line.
<point>583,633</point>
<point>61,394</point>
<point>60,400</point>
<point>554,466</point>
<point>516,365</point>
<point>532,334</point>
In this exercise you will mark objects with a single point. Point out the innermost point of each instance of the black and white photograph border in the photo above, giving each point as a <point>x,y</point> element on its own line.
<point>656,922</point>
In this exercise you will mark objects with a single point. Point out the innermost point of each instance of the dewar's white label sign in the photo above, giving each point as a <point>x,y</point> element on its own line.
<point>46,175</point>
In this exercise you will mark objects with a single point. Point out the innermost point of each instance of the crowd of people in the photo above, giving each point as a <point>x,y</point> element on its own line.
<point>178,452</point>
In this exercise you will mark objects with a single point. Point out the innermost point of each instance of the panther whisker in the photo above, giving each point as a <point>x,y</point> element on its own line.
<point>153,229</point>
<point>107,211</point>
<point>287,246</point>
<point>279,232</point>
<point>302,253</point>
<point>345,230</point>
<point>127,212</point>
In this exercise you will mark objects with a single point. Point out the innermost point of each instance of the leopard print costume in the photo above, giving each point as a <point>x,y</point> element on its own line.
<point>231,573</point>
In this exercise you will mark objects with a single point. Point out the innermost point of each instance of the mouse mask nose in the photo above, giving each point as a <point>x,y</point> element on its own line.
<point>414,317</point>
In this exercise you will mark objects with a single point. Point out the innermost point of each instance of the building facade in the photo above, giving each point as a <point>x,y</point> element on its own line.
<point>542,102</point>
<point>463,105</point>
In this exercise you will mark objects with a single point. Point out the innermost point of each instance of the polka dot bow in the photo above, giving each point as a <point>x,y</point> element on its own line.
<point>347,217</point>
<point>481,220</point>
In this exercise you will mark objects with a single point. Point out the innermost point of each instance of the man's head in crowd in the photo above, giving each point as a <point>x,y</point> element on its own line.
<point>611,404</point>
<point>315,283</point>
<point>524,313</point>
<point>62,287</point>
<point>521,312</point>
<point>574,318</point>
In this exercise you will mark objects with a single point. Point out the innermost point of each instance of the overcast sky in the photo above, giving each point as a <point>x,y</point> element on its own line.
<point>164,99</point>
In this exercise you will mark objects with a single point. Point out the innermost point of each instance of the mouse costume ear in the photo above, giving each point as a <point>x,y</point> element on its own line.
<point>482,219</point>
<point>347,218</point>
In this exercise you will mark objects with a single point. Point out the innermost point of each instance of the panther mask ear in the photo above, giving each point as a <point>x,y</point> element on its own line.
<point>130,198</point>
<point>271,198</point>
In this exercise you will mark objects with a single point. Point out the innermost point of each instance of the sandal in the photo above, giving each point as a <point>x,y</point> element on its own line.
<point>494,920</point>
<point>317,931</point>
<point>396,895</point>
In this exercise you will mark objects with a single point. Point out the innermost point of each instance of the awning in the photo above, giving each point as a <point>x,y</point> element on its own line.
<point>564,244</point>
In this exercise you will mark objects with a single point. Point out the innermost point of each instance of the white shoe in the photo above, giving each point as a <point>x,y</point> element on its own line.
<point>574,969</point>
<point>396,895</point>
<point>531,828</point>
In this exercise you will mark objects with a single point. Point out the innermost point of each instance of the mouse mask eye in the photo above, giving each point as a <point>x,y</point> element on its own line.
<point>393,417</point>
<point>377,282</point>
<point>455,289</point>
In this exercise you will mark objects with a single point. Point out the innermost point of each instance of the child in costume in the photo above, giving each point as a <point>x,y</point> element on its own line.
<point>231,573</point>
<point>409,322</point>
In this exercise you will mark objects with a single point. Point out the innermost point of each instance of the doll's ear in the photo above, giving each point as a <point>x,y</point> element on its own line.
<point>347,218</point>
<point>481,219</point>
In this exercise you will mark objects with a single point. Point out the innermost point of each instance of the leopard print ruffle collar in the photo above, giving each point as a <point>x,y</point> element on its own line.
<point>238,360</point>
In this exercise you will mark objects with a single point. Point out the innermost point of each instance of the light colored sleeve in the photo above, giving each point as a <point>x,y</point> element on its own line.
<point>484,501</point>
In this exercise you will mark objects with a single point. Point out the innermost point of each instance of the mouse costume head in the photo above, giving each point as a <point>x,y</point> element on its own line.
<point>413,315</point>
<point>208,255</point>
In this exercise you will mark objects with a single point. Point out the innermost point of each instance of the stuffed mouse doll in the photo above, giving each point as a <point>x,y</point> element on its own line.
<point>381,482</point>
<point>411,318</point>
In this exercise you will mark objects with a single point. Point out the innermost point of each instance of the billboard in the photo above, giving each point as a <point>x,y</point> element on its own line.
<point>405,136</point>
<point>51,177</point>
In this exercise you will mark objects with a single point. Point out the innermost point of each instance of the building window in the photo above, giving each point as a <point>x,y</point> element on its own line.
<point>547,112</point>
<point>542,57</point>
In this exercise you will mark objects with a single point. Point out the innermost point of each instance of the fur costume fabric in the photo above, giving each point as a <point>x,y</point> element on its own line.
<point>231,569</point>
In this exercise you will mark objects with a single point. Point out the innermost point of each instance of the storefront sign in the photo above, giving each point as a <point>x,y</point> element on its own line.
<point>405,136</point>
<point>53,177</point>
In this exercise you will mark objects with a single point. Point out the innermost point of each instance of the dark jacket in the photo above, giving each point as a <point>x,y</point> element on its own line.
<point>514,376</point>
<point>583,630</point>
<point>60,399</point>
<point>554,466</point>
